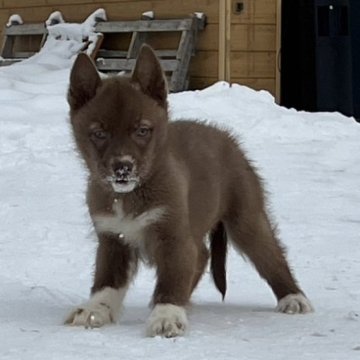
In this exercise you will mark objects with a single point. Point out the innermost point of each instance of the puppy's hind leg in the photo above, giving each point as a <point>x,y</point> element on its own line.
<point>202,260</point>
<point>254,236</point>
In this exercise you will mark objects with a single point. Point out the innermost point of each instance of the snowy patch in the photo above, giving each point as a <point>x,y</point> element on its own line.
<point>97,16</point>
<point>69,31</point>
<point>148,15</point>
<point>167,320</point>
<point>310,163</point>
<point>199,15</point>
<point>75,31</point>
<point>14,20</point>
<point>294,304</point>
<point>55,17</point>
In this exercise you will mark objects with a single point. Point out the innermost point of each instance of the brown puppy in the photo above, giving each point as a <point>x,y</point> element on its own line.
<point>156,190</point>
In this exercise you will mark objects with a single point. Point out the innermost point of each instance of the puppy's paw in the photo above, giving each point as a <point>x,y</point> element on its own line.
<point>167,320</point>
<point>294,304</point>
<point>103,308</point>
<point>90,316</point>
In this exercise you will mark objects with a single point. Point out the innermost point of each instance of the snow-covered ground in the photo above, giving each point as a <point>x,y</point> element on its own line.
<point>311,163</point>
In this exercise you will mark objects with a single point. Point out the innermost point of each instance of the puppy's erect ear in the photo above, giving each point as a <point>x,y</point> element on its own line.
<point>150,76</point>
<point>84,80</point>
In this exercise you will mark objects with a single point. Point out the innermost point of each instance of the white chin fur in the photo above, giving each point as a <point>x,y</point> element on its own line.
<point>124,188</point>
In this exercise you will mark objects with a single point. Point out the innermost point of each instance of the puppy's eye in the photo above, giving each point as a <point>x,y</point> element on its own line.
<point>99,134</point>
<point>142,131</point>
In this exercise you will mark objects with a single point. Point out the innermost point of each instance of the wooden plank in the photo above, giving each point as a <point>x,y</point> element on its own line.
<point>205,63</point>
<point>168,9</point>
<point>137,39</point>
<point>208,39</point>
<point>94,45</point>
<point>123,10</point>
<point>228,40</point>
<point>71,2</point>
<point>116,42</point>
<point>222,41</point>
<point>252,37</point>
<point>31,43</point>
<point>117,10</point>
<point>22,54</point>
<point>201,82</point>
<point>178,78</point>
<point>26,29</point>
<point>253,64</point>
<point>6,62</point>
<point>256,12</point>
<point>19,40</point>
<point>278,53</point>
<point>7,48</point>
<point>122,54</point>
<point>21,3</point>
<point>38,3</point>
<point>143,25</point>
<point>164,40</point>
<point>111,53</point>
<point>140,29</point>
<point>128,64</point>
<point>4,17</point>
<point>166,53</point>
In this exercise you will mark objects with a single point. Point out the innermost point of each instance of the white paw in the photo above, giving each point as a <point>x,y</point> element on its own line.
<point>167,320</point>
<point>294,304</point>
<point>102,308</point>
<point>90,316</point>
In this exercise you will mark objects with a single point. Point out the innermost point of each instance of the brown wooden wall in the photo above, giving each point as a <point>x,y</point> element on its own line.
<point>252,46</point>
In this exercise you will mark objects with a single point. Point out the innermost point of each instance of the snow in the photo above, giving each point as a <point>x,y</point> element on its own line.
<point>148,14</point>
<point>14,20</point>
<point>55,17</point>
<point>75,31</point>
<point>199,15</point>
<point>311,163</point>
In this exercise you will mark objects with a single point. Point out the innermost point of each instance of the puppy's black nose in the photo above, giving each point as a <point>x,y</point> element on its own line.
<point>122,168</point>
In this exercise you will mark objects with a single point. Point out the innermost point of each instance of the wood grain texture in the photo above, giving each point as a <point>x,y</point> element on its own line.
<point>253,64</point>
<point>256,12</point>
<point>253,37</point>
<point>252,33</point>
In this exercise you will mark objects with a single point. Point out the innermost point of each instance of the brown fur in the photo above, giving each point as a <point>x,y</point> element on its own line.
<point>196,172</point>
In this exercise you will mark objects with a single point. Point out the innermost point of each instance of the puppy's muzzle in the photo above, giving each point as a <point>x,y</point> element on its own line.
<point>123,170</point>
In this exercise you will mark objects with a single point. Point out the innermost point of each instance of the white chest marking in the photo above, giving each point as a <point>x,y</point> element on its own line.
<point>129,228</point>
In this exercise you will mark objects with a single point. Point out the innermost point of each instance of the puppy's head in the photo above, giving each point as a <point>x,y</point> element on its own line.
<point>120,124</point>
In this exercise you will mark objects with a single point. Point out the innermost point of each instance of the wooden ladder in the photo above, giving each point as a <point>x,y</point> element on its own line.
<point>175,62</point>
<point>10,52</point>
<point>18,36</point>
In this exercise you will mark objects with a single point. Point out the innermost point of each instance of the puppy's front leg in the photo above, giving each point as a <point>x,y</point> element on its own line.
<point>116,264</point>
<point>175,260</point>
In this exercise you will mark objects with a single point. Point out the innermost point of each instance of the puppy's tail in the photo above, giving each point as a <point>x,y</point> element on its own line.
<point>218,249</point>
